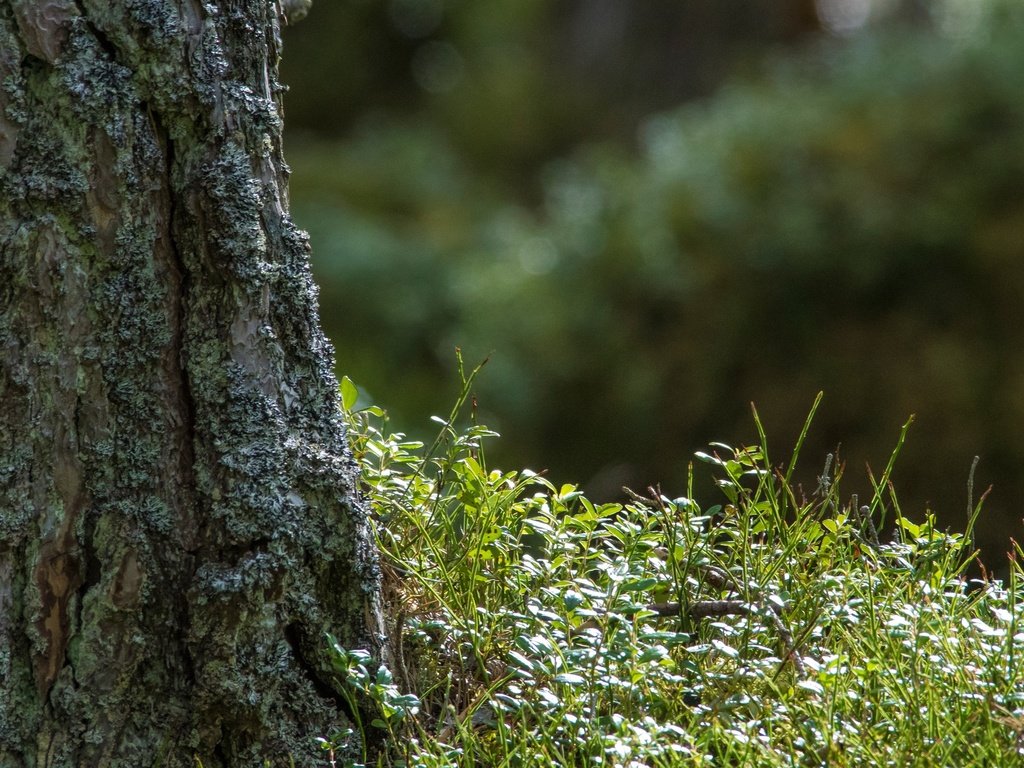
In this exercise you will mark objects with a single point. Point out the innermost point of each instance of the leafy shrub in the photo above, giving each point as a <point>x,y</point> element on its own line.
<point>533,627</point>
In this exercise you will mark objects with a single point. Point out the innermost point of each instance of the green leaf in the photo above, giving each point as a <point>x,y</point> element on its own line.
<point>908,526</point>
<point>349,393</point>
<point>654,653</point>
<point>639,585</point>
<point>569,678</point>
<point>812,686</point>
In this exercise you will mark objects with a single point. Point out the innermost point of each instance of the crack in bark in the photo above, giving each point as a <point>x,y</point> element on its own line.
<point>179,296</point>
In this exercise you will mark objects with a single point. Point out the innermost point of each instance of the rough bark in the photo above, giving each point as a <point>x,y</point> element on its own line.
<point>178,519</point>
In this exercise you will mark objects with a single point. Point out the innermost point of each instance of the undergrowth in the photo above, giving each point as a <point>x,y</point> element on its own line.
<point>533,627</point>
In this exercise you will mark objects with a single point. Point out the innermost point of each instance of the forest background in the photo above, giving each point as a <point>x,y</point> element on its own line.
<point>651,214</point>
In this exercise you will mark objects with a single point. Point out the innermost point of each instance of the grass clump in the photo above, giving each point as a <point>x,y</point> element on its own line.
<point>533,627</point>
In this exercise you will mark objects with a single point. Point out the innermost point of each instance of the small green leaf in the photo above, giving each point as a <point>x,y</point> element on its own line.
<point>812,686</point>
<point>639,585</point>
<point>349,393</point>
<point>654,653</point>
<point>569,678</point>
<point>572,600</point>
<point>908,526</point>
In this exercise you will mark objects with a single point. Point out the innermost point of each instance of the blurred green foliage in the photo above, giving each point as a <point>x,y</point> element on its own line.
<point>513,83</point>
<point>850,220</point>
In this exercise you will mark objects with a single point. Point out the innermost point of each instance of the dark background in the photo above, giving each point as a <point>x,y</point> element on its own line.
<point>650,214</point>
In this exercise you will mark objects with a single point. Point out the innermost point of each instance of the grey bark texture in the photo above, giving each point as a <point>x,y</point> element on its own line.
<point>179,520</point>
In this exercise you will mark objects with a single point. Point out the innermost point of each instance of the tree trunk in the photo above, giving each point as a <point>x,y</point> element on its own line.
<point>179,520</point>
